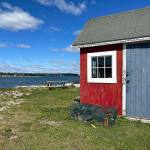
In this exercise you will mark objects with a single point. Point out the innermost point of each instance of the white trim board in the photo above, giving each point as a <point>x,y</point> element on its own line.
<point>114,42</point>
<point>143,120</point>
<point>124,73</point>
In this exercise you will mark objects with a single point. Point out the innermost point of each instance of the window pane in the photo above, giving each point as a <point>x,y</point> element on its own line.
<point>108,61</point>
<point>100,72</point>
<point>108,72</point>
<point>94,61</point>
<point>94,72</point>
<point>100,61</point>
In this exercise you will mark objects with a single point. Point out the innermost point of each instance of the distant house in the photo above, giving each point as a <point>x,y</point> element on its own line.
<point>115,62</point>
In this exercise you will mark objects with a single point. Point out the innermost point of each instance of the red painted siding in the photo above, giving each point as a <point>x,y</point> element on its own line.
<point>105,94</point>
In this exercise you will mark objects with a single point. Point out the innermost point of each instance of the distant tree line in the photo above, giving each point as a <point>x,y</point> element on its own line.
<point>36,74</point>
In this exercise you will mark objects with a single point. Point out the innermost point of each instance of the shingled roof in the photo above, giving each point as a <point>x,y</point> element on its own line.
<point>122,26</point>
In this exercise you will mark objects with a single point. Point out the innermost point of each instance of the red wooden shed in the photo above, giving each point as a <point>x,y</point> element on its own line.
<point>114,62</point>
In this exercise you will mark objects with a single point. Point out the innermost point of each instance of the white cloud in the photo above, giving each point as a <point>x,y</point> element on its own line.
<point>3,45</point>
<point>8,68</point>
<point>54,29</point>
<point>65,66</point>
<point>68,67</point>
<point>57,62</point>
<point>23,46</point>
<point>14,18</point>
<point>7,6</point>
<point>77,32</point>
<point>54,49</point>
<point>67,49</point>
<point>67,7</point>
<point>70,49</point>
<point>93,2</point>
<point>35,68</point>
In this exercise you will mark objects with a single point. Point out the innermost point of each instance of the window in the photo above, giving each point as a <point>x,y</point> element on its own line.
<point>102,67</point>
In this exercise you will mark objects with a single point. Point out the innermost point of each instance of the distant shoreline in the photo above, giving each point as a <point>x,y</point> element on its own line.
<point>13,81</point>
<point>19,76</point>
<point>36,74</point>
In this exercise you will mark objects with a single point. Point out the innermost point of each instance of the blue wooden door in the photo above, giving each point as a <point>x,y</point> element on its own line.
<point>138,80</point>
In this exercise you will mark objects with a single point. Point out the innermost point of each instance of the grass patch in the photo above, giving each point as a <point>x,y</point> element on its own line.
<point>31,126</point>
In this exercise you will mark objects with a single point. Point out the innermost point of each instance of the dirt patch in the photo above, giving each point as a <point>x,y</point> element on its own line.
<point>52,123</point>
<point>9,104</point>
<point>9,99</point>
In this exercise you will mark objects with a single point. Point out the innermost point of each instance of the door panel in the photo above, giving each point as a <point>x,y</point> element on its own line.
<point>138,80</point>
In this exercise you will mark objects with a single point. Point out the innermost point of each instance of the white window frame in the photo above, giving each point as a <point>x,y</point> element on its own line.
<point>114,67</point>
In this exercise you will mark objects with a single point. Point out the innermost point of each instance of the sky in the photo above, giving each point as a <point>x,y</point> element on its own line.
<point>36,35</point>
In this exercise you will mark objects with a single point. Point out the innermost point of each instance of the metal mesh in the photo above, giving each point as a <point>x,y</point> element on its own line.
<point>100,114</point>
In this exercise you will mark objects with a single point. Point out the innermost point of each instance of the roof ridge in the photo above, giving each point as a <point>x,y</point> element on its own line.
<point>120,13</point>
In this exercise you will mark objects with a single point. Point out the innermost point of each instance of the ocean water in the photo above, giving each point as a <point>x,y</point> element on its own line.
<point>10,82</point>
